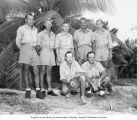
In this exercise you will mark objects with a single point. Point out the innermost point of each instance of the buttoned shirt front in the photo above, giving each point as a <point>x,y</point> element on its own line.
<point>93,70</point>
<point>64,40</point>
<point>46,39</point>
<point>83,38</point>
<point>26,34</point>
<point>66,72</point>
<point>103,39</point>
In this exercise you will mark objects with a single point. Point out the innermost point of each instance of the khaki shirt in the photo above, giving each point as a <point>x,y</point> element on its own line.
<point>46,39</point>
<point>83,38</point>
<point>64,40</point>
<point>103,39</point>
<point>93,71</point>
<point>66,72</point>
<point>26,34</point>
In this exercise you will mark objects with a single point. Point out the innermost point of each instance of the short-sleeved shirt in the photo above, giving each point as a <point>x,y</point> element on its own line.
<point>46,39</point>
<point>93,71</point>
<point>26,34</point>
<point>83,38</point>
<point>66,72</point>
<point>64,40</point>
<point>103,39</point>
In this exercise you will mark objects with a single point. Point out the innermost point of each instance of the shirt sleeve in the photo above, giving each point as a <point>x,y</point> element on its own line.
<point>100,67</point>
<point>39,39</point>
<point>110,44</point>
<point>62,72</point>
<point>57,41</point>
<point>19,37</point>
<point>75,36</point>
<point>78,68</point>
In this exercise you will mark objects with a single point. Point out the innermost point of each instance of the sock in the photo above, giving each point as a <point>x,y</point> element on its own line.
<point>37,88</point>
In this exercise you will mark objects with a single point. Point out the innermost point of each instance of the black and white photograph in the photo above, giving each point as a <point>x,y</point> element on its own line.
<point>68,59</point>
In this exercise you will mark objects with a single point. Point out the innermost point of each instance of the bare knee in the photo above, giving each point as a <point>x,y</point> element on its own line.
<point>26,68</point>
<point>42,70</point>
<point>35,70</point>
<point>65,89</point>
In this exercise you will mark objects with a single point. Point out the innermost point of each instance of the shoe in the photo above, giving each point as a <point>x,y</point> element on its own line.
<point>52,93</point>
<point>109,87</point>
<point>43,93</point>
<point>27,94</point>
<point>39,94</point>
<point>73,93</point>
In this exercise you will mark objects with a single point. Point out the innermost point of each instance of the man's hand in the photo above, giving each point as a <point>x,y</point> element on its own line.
<point>59,60</point>
<point>37,48</point>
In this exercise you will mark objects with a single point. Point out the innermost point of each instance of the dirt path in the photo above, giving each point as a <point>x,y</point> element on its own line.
<point>123,101</point>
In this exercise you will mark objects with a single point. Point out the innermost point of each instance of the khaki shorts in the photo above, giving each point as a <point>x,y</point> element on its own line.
<point>102,54</point>
<point>47,57</point>
<point>96,83</point>
<point>28,55</point>
<point>74,85</point>
<point>83,50</point>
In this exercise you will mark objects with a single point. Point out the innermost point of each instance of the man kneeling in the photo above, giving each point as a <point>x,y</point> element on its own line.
<point>72,77</point>
<point>96,74</point>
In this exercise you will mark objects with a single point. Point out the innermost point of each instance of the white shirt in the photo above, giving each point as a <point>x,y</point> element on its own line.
<point>26,34</point>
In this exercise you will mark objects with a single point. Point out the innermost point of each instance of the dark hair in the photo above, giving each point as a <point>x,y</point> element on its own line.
<point>28,14</point>
<point>100,20</point>
<point>68,53</point>
<point>90,52</point>
<point>83,19</point>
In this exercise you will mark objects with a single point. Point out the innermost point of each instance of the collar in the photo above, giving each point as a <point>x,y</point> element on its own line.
<point>87,30</point>
<point>101,31</point>
<point>28,27</point>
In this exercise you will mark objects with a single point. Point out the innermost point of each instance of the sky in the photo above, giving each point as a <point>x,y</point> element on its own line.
<point>124,18</point>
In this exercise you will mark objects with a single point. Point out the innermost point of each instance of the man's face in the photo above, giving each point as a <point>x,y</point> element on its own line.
<point>83,24</point>
<point>29,20</point>
<point>99,24</point>
<point>48,25</point>
<point>91,58</point>
<point>65,27</point>
<point>69,58</point>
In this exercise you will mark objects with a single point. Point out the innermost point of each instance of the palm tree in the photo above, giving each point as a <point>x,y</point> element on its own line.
<point>11,17</point>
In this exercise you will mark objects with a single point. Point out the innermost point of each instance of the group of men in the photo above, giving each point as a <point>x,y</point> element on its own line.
<point>82,58</point>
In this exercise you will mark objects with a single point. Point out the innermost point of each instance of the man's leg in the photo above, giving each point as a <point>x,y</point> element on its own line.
<point>36,73</point>
<point>48,78</point>
<point>26,77</point>
<point>65,89</point>
<point>82,88</point>
<point>42,72</point>
<point>105,83</point>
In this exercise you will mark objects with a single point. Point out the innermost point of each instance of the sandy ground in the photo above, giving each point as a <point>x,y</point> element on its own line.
<point>122,101</point>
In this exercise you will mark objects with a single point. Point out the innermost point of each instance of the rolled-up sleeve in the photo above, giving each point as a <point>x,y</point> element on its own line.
<point>76,36</point>
<point>39,39</point>
<point>57,41</point>
<point>110,44</point>
<point>19,37</point>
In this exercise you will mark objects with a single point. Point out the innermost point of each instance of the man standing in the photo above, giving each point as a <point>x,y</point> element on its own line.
<point>71,76</point>
<point>46,40</point>
<point>103,44</point>
<point>26,41</point>
<point>64,43</point>
<point>96,74</point>
<point>83,40</point>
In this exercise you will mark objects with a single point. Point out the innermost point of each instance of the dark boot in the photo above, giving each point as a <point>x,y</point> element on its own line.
<point>27,94</point>
<point>39,94</point>
<point>51,93</point>
<point>43,93</point>
<point>109,87</point>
